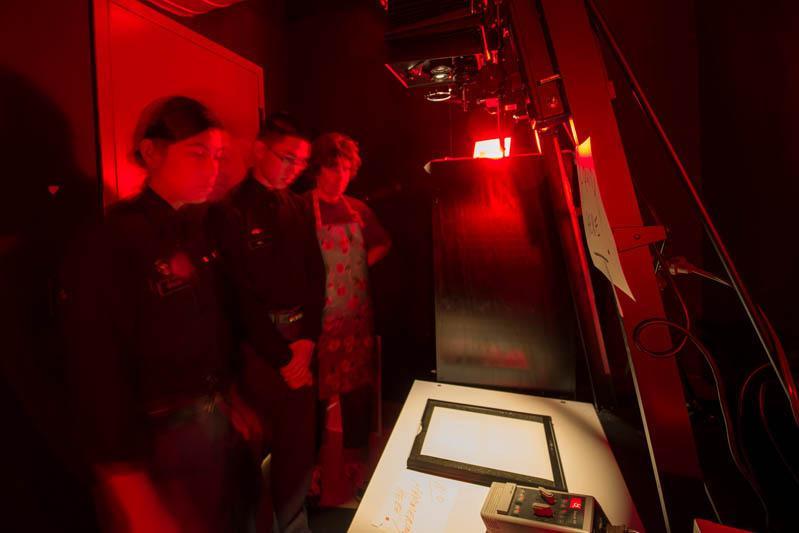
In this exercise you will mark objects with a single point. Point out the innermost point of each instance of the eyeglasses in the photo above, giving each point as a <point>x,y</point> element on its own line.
<point>289,159</point>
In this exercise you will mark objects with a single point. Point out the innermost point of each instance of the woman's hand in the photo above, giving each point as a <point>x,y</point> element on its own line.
<point>297,372</point>
<point>376,253</point>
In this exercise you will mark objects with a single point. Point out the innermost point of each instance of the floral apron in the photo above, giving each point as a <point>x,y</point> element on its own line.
<point>346,345</point>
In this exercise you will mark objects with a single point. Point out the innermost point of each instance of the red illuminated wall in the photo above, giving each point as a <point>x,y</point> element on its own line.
<point>143,56</point>
<point>256,30</point>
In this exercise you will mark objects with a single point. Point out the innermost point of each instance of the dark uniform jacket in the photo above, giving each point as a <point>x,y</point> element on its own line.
<point>144,321</point>
<point>267,240</point>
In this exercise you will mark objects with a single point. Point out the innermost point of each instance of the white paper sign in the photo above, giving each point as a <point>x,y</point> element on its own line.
<point>417,503</point>
<point>599,235</point>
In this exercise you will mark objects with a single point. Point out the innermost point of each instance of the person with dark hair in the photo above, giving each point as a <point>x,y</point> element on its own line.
<point>351,240</point>
<point>265,235</point>
<point>150,346</point>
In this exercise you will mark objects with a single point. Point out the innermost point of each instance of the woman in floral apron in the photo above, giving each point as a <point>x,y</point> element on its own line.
<point>351,240</point>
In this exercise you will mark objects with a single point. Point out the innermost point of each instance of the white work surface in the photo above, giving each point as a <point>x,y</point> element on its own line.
<point>400,500</point>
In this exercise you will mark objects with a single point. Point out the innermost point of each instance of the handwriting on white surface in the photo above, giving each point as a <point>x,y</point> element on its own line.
<point>417,503</point>
<point>601,243</point>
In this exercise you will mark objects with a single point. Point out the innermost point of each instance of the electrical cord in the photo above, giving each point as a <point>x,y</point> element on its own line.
<point>680,265</point>
<point>674,350</point>
<point>720,390</point>
<point>740,410</point>
<point>743,466</point>
<point>761,402</point>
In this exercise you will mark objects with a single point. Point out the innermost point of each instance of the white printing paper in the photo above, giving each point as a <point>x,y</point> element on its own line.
<point>490,441</point>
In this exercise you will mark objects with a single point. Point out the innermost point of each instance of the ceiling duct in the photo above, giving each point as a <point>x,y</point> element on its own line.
<point>191,8</point>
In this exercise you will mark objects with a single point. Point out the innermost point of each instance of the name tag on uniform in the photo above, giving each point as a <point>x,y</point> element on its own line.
<point>172,275</point>
<point>258,238</point>
<point>212,256</point>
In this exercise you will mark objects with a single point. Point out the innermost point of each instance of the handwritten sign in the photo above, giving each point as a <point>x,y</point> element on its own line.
<point>601,243</point>
<point>417,503</point>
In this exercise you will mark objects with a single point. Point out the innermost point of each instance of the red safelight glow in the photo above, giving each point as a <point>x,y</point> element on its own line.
<point>490,149</point>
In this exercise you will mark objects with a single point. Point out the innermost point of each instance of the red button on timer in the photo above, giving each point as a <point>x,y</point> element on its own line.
<point>542,509</point>
<point>575,503</point>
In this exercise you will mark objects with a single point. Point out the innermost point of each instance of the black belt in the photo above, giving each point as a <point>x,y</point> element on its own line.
<point>286,317</point>
<point>185,410</point>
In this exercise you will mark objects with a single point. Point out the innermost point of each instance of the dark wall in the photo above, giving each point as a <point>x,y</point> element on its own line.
<point>660,42</point>
<point>749,83</point>
<point>47,45</point>
<point>47,187</point>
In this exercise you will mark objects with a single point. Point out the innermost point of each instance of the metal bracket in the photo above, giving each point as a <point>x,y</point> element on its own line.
<point>629,238</point>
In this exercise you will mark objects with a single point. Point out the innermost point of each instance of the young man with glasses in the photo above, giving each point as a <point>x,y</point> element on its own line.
<point>265,234</point>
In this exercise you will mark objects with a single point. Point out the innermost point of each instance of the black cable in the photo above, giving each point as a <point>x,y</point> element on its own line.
<point>744,467</point>
<point>761,401</point>
<point>749,378</point>
<point>739,414</point>
<point>674,350</point>
<point>720,390</point>
<point>776,346</point>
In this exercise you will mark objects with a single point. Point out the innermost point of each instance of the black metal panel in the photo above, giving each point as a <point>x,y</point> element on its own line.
<point>459,37</point>
<point>402,12</point>
<point>504,311</point>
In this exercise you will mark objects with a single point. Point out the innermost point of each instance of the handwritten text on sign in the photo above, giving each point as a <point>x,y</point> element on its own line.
<point>601,244</point>
<point>417,503</point>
